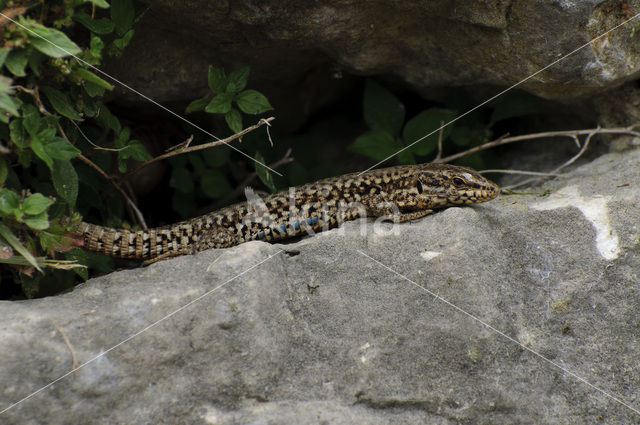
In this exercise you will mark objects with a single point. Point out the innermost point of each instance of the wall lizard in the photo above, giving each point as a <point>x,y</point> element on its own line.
<point>399,194</point>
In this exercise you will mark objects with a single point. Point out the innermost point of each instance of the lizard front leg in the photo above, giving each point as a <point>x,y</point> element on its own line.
<point>376,206</point>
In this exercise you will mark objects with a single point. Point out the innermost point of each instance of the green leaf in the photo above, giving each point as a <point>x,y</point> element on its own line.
<point>196,105</point>
<point>51,240</point>
<point>5,85</point>
<point>98,26</point>
<point>121,43</point>
<point>181,180</point>
<point>65,181</point>
<point>122,14</point>
<point>8,236</point>
<point>60,103</point>
<point>8,105</point>
<point>198,165</point>
<point>216,157</point>
<point>89,107</point>
<point>59,148</point>
<point>263,172</point>
<point>36,204</point>
<point>135,150</point>
<point>426,122</point>
<point>382,110</point>
<point>220,104</point>
<point>214,184</point>
<point>238,80</point>
<point>35,60</point>
<point>376,144</point>
<point>108,121</point>
<point>100,3</point>
<point>465,136</point>
<point>234,120</point>
<point>4,52</point>
<point>405,157</point>
<point>38,222</point>
<point>17,61</point>
<point>4,170</point>
<point>95,50</point>
<point>9,201</point>
<point>122,138</point>
<point>38,148</point>
<point>93,90</point>
<point>49,41</point>
<point>31,118</point>
<point>216,79</point>
<point>17,133</point>
<point>253,102</point>
<point>90,77</point>
<point>102,263</point>
<point>516,104</point>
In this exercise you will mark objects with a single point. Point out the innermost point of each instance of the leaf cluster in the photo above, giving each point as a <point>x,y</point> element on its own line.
<point>227,91</point>
<point>49,108</point>
<point>416,139</point>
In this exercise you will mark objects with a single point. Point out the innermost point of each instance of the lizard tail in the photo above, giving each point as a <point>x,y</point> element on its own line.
<point>120,243</point>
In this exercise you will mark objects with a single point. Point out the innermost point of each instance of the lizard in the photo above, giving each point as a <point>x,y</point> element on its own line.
<point>399,194</point>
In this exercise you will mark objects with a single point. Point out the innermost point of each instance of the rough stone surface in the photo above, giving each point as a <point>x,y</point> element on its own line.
<point>315,331</point>
<point>298,50</point>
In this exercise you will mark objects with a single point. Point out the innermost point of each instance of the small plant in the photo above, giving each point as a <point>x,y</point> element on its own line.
<point>227,91</point>
<point>49,109</point>
<point>198,178</point>
<point>384,114</point>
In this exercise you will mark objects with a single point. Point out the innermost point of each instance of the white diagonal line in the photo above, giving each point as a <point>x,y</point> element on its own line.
<point>164,108</point>
<point>501,93</point>
<point>139,332</point>
<point>532,351</point>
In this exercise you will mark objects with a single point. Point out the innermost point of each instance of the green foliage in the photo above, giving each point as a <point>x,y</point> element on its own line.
<point>228,97</point>
<point>417,139</point>
<point>385,114</point>
<point>263,173</point>
<point>47,99</point>
<point>227,91</point>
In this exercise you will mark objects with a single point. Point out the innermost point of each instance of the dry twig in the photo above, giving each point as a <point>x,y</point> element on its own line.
<point>573,159</point>
<point>264,121</point>
<point>440,136</point>
<point>503,140</point>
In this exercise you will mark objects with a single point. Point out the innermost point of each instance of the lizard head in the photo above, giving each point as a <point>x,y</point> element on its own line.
<point>443,185</point>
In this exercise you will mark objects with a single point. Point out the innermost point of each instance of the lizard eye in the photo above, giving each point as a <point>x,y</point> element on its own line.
<point>457,182</point>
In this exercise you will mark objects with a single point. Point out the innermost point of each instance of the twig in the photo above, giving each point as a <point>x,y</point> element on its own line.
<point>36,97</point>
<point>440,136</point>
<point>503,140</point>
<point>286,159</point>
<point>530,173</point>
<point>584,147</point>
<point>264,121</point>
<point>11,13</point>
<point>182,145</point>
<point>74,359</point>
<point>137,212</point>
<point>97,147</point>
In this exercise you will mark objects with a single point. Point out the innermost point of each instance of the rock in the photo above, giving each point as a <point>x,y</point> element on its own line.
<point>298,54</point>
<point>520,310</point>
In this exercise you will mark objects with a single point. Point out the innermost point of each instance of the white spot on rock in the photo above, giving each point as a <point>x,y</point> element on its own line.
<point>429,255</point>
<point>594,209</point>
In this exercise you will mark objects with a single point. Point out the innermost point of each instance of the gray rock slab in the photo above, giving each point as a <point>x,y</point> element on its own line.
<point>520,310</point>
